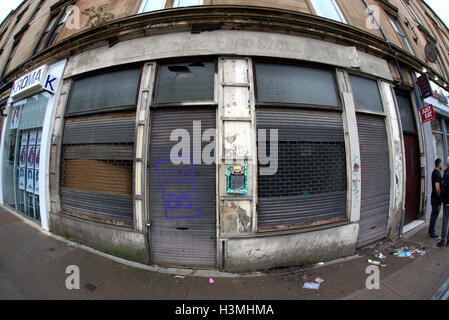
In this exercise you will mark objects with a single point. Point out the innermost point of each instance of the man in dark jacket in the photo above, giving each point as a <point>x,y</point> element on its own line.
<point>445,197</point>
<point>435,197</point>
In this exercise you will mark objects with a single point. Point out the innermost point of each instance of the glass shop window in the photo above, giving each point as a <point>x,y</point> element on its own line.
<point>328,9</point>
<point>295,84</point>
<point>190,81</point>
<point>366,94</point>
<point>21,155</point>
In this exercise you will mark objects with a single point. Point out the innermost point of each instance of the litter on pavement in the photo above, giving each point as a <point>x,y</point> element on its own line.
<point>311,285</point>
<point>405,252</point>
<point>211,280</point>
<point>319,280</point>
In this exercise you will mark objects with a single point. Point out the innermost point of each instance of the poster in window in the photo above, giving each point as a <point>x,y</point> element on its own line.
<point>37,157</point>
<point>31,155</point>
<point>23,156</point>
<point>24,140</point>
<point>30,180</point>
<point>15,118</point>
<point>33,137</point>
<point>36,181</point>
<point>22,178</point>
<point>39,135</point>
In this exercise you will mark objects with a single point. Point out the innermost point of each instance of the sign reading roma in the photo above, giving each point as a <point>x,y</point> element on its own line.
<point>33,82</point>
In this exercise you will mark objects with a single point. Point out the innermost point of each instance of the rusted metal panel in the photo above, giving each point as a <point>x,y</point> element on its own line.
<point>97,167</point>
<point>375,188</point>
<point>182,198</point>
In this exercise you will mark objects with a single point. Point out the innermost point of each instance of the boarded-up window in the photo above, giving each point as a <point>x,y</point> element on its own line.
<point>180,82</point>
<point>366,94</point>
<point>104,91</point>
<point>295,84</point>
<point>98,150</point>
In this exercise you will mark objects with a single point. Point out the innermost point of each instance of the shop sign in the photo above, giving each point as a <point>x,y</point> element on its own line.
<point>33,82</point>
<point>440,94</point>
<point>427,113</point>
<point>424,86</point>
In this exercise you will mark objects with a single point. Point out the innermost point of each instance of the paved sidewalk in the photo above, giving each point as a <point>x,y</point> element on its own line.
<point>33,264</point>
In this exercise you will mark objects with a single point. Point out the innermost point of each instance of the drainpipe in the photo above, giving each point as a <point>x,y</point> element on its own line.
<point>386,41</point>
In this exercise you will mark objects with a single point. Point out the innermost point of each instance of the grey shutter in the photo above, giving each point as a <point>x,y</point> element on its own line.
<point>310,184</point>
<point>182,201</point>
<point>375,188</point>
<point>97,167</point>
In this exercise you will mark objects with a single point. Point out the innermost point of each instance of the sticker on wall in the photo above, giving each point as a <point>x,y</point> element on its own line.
<point>31,155</point>
<point>237,180</point>
<point>24,140</point>
<point>37,157</point>
<point>30,180</point>
<point>15,117</point>
<point>21,178</point>
<point>33,137</point>
<point>23,156</point>
<point>36,181</point>
<point>39,134</point>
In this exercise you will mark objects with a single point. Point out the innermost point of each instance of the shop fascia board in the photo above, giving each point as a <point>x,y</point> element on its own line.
<point>250,17</point>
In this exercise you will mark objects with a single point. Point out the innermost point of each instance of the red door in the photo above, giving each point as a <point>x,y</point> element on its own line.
<point>412,169</point>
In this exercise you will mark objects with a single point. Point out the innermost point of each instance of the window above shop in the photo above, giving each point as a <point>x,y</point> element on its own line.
<point>328,9</point>
<point>183,82</point>
<point>53,29</point>
<point>105,91</point>
<point>401,35</point>
<point>151,5</point>
<point>277,83</point>
<point>186,3</point>
<point>410,10</point>
<point>366,94</point>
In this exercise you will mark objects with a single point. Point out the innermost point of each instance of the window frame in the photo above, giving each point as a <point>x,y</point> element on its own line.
<point>145,2</point>
<point>366,111</point>
<point>332,70</point>
<point>97,73</point>
<point>397,27</point>
<point>10,57</point>
<point>213,102</point>
<point>336,7</point>
<point>176,4</point>
<point>411,11</point>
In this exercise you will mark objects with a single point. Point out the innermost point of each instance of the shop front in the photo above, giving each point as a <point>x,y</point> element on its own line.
<point>24,142</point>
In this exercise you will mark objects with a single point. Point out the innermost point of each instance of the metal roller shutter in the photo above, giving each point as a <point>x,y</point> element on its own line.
<point>182,201</point>
<point>97,167</point>
<point>310,184</point>
<point>375,188</point>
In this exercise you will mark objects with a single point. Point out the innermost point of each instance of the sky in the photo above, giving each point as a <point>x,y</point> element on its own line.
<point>441,7</point>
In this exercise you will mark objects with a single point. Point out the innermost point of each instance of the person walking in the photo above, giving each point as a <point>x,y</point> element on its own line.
<point>445,197</point>
<point>435,197</point>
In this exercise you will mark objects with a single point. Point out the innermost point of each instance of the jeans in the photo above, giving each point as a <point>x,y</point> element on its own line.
<point>434,218</point>
<point>445,231</point>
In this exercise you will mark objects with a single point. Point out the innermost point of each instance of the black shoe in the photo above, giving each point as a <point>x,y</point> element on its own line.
<point>440,244</point>
<point>434,236</point>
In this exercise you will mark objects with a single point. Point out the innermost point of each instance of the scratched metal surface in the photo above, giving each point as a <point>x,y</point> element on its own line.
<point>182,203</point>
<point>375,186</point>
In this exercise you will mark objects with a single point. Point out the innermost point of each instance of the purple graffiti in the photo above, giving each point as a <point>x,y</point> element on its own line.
<point>179,190</point>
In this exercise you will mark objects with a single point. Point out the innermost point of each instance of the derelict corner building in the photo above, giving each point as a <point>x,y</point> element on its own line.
<point>89,108</point>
